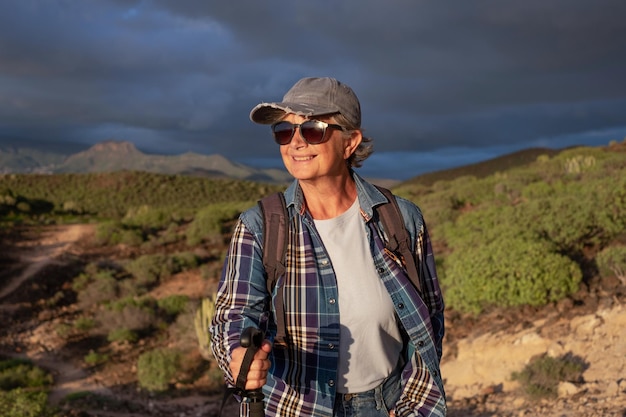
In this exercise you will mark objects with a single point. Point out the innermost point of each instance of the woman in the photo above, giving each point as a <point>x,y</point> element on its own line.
<point>360,339</point>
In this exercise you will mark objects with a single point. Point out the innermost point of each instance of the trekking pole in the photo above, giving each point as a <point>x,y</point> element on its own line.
<point>251,338</point>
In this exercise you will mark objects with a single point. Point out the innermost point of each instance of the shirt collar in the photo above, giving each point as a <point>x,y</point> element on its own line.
<point>369,196</point>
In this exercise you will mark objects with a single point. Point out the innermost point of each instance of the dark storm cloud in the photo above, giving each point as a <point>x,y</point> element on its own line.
<point>483,76</point>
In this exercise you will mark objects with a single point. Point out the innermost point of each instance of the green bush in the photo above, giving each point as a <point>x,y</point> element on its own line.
<point>94,358</point>
<point>122,334</point>
<point>208,222</point>
<point>84,324</point>
<point>156,369</point>
<point>20,373</point>
<point>25,403</point>
<point>149,217</point>
<point>147,269</point>
<point>173,304</point>
<point>102,288</point>
<point>114,233</point>
<point>541,377</point>
<point>150,269</point>
<point>581,214</point>
<point>612,261</point>
<point>128,313</point>
<point>507,272</point>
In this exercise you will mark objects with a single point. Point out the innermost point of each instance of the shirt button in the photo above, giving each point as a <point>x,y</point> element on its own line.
<point>331,346</point>
<point>401,305</point>
<point>325,262</point>
<point>331,301</point>
<point>331,382</point>
<point>420,343</point>
<point>381,270</point>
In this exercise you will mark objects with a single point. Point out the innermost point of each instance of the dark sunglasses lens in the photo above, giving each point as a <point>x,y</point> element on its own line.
<point>313,132</point>
<point>283,132</point>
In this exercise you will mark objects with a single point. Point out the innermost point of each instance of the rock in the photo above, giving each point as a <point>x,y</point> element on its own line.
<point>567,389</point>
<point>612,389</point>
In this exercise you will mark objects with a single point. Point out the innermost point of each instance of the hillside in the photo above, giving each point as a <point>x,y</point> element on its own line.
<point>480,353</point>
<point>484,168</point>
<point>101,272</point>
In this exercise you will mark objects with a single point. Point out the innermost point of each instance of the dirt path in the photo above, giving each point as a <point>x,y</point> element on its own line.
<point>46,250</point>
<point>33,255</point>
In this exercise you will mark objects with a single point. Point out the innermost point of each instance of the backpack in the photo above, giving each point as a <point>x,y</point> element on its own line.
<point>276,235</point>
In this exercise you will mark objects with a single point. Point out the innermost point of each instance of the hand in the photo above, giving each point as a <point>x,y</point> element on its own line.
<point>257,375</point>
<point>392,413</point>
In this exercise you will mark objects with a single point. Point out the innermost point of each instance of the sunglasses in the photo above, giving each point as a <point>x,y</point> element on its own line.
<point>312,131</point>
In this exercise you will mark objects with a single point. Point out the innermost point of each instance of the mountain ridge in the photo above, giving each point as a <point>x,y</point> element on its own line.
<point>117,155</point>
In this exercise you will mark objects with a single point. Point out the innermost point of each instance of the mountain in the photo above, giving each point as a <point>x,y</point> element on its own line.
<point>484,168</point>
<point>28,160</point>
<point>113,155</point>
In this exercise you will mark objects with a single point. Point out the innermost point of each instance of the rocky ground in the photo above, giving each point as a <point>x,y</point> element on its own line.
<point>480,352</point>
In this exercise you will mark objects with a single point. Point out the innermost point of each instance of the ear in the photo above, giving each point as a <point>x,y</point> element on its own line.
<point>351,143</point>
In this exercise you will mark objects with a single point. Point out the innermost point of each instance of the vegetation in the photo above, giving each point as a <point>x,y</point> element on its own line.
<point>541,377</point>
<point>528,235</point>
<point>157,369</point>
<point>24,403</point>
<point>23,389</point>
<point>20,373</point>
<point>525,233</point>
<point>136,198</point>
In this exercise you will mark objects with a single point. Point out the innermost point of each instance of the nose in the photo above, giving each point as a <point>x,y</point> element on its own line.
<point>297,140</point>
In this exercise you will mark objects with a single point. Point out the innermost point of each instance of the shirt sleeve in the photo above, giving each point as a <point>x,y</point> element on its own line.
<point>241,296</point>
<point>432,293</point>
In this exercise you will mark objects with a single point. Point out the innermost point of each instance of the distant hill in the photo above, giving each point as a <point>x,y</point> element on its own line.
<point>484,168</point>
<point>111,156</point>
<point>20,160</point>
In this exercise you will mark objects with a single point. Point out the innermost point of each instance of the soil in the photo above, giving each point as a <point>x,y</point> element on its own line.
<point>38,264</point>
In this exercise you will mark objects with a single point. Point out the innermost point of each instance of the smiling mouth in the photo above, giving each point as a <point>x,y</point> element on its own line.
<point>302,158</point>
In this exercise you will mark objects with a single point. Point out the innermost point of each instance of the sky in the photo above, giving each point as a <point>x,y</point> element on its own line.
<point>441,84</point>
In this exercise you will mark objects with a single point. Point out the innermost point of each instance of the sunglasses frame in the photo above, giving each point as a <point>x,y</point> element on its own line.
<point>318,124</point>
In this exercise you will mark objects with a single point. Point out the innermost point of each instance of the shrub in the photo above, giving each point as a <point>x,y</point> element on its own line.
<point>113,233</point>
<point>157,368</point>
<point>106,232</point>
<point>208,222</point>
<point>25,403</point>
<point>128,313</point>
<point>63,330</point>
<point>507,272</point>
<point>102,288</point>
<point>541,377</point>
<point>84,324</point>
<point>18,373</point>
<point>149,269</point>
<point>122,334</point>
<point>146,216</point>
<point>612,261</point>
<point>174,304</point>
<point>94,358</point>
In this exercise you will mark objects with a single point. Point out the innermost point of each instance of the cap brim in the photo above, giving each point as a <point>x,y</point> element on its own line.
<point>268,113</point>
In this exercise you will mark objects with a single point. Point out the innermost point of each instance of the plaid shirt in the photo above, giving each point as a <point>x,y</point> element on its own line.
<point>301,380</point>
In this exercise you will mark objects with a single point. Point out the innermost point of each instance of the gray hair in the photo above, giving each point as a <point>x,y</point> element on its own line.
<point>365,148</point>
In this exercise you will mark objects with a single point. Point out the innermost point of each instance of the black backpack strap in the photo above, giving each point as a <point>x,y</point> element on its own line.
<point>399,241</point>
<point>275,235</point>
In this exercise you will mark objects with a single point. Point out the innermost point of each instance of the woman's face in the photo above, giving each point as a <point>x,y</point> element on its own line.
<point>310,162</point>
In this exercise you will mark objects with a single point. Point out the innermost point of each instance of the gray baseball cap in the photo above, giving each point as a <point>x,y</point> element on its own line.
<point>312,97</point>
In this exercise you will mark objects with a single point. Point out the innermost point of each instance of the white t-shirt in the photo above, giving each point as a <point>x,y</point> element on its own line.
<point>370,342</point>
